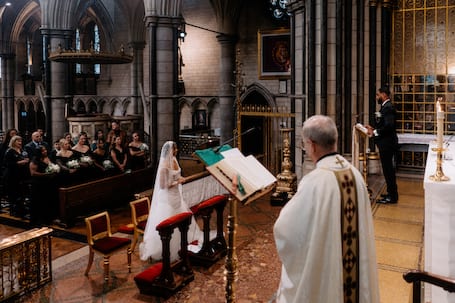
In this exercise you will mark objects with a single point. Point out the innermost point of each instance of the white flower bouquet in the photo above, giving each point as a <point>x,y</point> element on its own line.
<point>52,168</point>
<point>73,164</point>
<point>107,164</point>
<point>86,159</point>
<point>144,147</point>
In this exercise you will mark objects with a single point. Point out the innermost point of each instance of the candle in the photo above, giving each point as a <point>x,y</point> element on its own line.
<point>440,124</point>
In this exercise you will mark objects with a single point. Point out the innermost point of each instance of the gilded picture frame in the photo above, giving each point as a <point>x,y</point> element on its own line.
<point>274,54</point>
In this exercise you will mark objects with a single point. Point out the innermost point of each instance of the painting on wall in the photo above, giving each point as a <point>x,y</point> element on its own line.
<point>274,51</point>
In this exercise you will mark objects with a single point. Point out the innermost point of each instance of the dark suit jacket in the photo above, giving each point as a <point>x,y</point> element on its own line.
<point>386,128</point>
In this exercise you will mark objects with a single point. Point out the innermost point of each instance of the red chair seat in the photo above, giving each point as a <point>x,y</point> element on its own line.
<point>110,244</point>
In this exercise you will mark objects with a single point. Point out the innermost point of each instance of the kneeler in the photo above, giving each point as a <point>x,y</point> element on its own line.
<point>163,278</point>
<point>212,250</point>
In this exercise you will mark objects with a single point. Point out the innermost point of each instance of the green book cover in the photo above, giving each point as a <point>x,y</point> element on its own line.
<point>211,156</point>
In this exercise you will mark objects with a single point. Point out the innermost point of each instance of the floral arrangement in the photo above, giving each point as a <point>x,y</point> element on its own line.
<point>144,147</point>
<point>52,168</point>
<point>73,164</point>
<point>107,164</point>
<point>86,159</point>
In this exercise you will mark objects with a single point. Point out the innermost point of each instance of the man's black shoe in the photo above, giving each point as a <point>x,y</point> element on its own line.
<point>386,200</point>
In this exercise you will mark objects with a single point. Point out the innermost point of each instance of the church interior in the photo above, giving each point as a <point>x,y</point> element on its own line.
<point>205,73</point>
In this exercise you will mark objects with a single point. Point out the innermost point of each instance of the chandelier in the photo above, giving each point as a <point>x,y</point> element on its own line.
<point>90,56</point>
<point>279,8</point>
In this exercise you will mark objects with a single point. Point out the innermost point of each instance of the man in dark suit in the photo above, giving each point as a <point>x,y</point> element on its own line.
<point>37,141</point>
<point>385,137</point>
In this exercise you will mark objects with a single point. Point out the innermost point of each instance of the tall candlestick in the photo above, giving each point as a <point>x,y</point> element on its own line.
<point>440,124</point>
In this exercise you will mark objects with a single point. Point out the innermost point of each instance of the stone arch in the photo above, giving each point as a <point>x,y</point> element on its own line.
<point>80,107</point>
<point>185,114</point>
<point>199,114</point>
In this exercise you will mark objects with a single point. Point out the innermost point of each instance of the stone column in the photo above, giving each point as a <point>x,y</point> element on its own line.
<point>8,72</point>
<point>298,78</point>
<point>137,77</point>
<point>225,90</point>
<point>56,85</point>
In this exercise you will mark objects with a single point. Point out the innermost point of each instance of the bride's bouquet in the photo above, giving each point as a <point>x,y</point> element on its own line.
<point>86,159</point>
<point>73,164</point>
<point>107,164</point>
<point>52,168</point>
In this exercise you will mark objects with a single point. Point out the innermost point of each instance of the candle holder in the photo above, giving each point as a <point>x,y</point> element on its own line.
<point>439,174</point>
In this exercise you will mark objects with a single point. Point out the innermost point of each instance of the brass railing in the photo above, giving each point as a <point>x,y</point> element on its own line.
<point>25,262</point>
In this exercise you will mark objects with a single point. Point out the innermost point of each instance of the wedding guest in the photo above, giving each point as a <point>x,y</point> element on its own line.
<point>116,132</point>
<point>101,157</point>
<point>16,173</point>
<point>37,141</point>
<point>138,152</point>
<point>68,162</point>
<point>44,180</point>
<point>99,135</point>
<point>68,137</point>
<point>119,155</point>
<point>5,145</point>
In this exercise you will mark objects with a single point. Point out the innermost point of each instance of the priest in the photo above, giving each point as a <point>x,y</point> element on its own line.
<point>324,235</point>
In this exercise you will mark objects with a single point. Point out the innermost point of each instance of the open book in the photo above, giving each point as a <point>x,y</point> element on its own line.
<point>361,128</point>
<point>252,176</point>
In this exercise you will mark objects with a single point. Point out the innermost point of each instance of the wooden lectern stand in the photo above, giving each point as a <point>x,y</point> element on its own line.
<point>240,189</point>
<point>359,133</point>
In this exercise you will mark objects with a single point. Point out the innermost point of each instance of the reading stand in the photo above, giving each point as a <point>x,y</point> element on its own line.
<point>246,180</point>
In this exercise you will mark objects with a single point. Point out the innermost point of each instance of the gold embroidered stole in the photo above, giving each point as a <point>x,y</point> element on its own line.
<point>349,235</point>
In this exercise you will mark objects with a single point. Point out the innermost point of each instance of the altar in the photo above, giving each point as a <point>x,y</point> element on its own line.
<point>440,222</point>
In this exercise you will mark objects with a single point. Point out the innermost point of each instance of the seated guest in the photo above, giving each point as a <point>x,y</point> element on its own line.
<point>44,195</point>
<point>16,173</point>
<point>119,156</point>
<point>137,152</point>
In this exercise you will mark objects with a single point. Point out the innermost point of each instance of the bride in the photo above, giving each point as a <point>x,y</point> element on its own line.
<point>167,201</point>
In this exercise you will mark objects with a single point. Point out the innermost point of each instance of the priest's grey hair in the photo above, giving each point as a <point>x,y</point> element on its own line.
<point>321,130</point>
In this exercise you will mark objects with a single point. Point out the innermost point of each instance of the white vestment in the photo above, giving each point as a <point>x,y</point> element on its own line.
<point>308,239</point>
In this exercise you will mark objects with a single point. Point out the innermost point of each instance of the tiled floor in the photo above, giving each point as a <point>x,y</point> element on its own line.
<point>399,241</point>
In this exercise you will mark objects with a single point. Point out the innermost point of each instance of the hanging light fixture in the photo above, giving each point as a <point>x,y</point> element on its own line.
<point>279,8</point>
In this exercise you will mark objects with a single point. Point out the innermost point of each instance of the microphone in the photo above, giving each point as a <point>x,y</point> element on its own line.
<point>217,149</point>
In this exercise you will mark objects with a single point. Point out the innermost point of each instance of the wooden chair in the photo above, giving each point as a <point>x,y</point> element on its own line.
<point>101,241</point>
<point>212,250</point>
<point>140,209</point>
<point>163,278</point>
<point>417,277</point>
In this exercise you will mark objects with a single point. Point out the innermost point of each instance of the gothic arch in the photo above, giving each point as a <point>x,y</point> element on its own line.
<point>257,89</point>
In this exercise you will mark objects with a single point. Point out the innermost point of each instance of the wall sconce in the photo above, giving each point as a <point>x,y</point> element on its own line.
<point>181,32</point>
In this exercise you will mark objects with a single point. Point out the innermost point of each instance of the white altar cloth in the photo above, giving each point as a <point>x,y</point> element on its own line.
<point>440,223</point>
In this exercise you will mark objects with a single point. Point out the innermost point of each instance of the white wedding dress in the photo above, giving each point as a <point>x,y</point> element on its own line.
<point>167,201</point>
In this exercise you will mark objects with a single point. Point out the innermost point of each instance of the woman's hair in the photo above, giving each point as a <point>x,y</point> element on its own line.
<point>8,135</point>
<point>62,142</point>
<point>13,140</point>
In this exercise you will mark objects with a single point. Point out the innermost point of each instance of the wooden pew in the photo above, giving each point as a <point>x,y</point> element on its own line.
<point>87,198</point>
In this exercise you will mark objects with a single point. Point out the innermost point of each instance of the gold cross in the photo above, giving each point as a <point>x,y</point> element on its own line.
<point>339,161</point>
